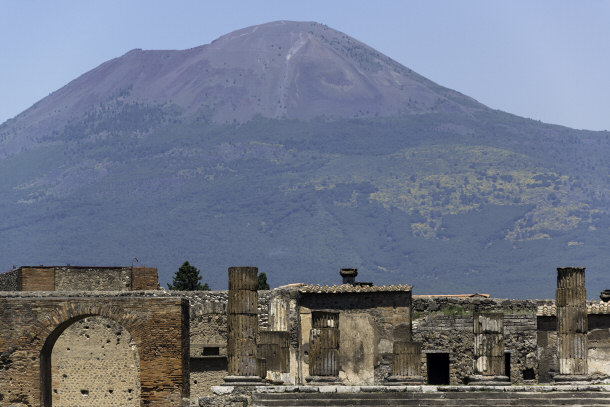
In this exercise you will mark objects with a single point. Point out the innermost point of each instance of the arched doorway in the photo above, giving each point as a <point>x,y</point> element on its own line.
<point>91,360</point>
<point>159,326</point>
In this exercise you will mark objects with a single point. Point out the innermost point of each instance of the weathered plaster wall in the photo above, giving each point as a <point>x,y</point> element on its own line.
<point>358,338</point>
<point>95,362</point>
<point>368,325</point>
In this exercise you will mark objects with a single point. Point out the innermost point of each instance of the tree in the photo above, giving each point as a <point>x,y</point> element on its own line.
<point>262,282</point>
<point>187,279</point>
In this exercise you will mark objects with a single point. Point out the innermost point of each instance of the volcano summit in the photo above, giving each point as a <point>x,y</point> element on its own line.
<point>295,147</point>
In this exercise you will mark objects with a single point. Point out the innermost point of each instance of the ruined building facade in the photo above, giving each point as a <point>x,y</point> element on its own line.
<point>73,336</point>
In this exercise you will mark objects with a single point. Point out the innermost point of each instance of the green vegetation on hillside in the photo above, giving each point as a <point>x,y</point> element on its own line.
<point>446,202</point>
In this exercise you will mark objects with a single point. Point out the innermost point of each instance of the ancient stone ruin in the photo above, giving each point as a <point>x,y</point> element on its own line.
<point>108,336</point>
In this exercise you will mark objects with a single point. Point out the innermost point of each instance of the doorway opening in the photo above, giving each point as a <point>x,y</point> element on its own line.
<point>507,364</point>
<point>438,368</point>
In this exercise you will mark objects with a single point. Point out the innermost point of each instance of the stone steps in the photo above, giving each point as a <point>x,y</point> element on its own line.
<point>463,399</point>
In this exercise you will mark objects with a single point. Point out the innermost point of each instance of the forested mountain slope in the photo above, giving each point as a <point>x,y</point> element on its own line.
<point>294,147</point>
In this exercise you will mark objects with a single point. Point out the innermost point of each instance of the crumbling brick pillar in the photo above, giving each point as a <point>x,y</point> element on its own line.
<point>242,322</point>
<point>324,347</point>
<point>572,324</point>
<point>489,366</point>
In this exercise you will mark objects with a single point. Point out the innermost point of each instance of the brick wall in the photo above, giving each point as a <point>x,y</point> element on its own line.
<point>157,325</point>
<point>95,362</point>
<point>144,278</point>
<point>37,279</point>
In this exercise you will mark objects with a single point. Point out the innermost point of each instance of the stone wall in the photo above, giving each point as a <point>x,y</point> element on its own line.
<point>9,280</point>
<point>70,278</point>
<point>208,335</point>
<point>445,325</point>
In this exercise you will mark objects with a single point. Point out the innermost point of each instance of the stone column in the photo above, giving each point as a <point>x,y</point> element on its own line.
<point>572,325</point>
<point>406,363</point>
<point>324,348</point>
<point>489,350</point>
<point>242,323</point>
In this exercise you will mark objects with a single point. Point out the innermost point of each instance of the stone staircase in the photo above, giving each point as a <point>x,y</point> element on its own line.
<point>435,398</point>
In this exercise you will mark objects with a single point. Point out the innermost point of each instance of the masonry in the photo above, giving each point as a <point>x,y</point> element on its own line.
<point>93,338</point>
<point>79,278</point>
<point>32,323</point>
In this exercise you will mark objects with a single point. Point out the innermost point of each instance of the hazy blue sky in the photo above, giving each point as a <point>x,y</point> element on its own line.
<point>547,60</point>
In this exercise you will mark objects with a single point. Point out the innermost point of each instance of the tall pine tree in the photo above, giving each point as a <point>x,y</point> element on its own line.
<point>187,279</point>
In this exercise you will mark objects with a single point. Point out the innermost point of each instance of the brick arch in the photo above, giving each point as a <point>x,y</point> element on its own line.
<point>158,326</point>
<point>58,320</point>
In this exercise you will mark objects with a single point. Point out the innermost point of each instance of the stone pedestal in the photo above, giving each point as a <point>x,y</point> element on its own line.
<point>324,348</point>
<point>572,325</point>
<point>406,364</point>
<point>489,350</point>
<point>242,323</point>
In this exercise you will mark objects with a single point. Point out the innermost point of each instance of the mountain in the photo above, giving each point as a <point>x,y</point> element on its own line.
<point>296,148</point>
<point>278,70</point>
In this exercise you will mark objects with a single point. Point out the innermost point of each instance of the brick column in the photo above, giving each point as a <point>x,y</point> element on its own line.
<point>324,348</point>
<point>488,331</point>
<point>572,324</point>
<point>242,322</point>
